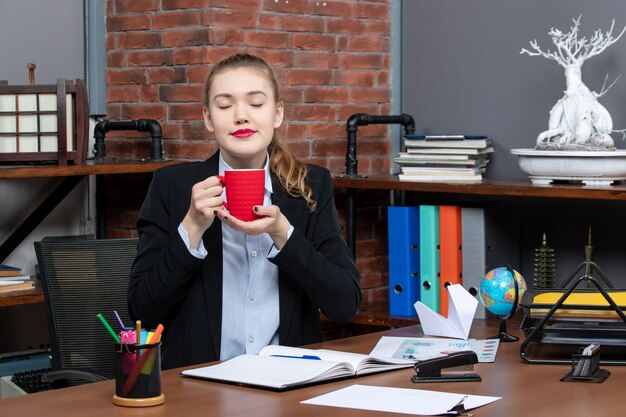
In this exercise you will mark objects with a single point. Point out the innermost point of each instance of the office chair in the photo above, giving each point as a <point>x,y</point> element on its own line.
<point>81,279</point>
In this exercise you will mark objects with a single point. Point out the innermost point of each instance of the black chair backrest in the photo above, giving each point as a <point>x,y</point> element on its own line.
<point>82,278</point>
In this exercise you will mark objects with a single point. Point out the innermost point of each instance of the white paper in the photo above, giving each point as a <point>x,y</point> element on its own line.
<point>461,308</point>
<point>422,348</point>
<point>398,400</point>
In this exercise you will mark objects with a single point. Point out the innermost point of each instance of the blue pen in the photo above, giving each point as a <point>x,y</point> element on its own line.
<point>315,358</point>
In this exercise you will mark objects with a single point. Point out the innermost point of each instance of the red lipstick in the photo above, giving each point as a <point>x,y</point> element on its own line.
<point>243,133</point>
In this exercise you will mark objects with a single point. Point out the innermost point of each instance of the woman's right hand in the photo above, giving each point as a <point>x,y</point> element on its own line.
<point>206,198</point>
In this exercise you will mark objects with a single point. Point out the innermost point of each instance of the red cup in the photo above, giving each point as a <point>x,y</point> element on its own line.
<point>245,188</point>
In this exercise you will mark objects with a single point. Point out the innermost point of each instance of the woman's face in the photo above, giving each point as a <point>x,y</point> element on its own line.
<point>242,113</point>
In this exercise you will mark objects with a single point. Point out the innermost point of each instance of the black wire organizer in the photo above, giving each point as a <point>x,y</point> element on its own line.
<point>587,368</point>
<point>554,337</point>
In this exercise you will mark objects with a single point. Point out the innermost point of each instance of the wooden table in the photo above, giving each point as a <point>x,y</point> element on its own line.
<point>526,390</point>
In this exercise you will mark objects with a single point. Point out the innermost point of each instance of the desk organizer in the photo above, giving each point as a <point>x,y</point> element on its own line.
<point>557,327</point>
<point>586,368</point>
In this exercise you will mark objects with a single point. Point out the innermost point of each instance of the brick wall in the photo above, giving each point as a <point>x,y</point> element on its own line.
<point>332,59</point>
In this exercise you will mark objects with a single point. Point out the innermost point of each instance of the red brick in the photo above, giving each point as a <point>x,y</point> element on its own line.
<point>126,76</point>
<point>381,27</point>
<point>149,94</point>
<point>329,147</point>
<point>111,41</point>
<point>185,4</point>
<point>331,8</point>
<point>227,36</point>
<point>291,6</point>
<point>138,40</point>
<point>314,42</point>
<point>191,37</point>
<point>370,95</point>
<point>151,58</point>
<point>311,112</point>
<point>194,130</point>
<point>342,43</point>
<point>183,56</point>
<point>229,18</point>
<point>291,94</point>
<point>309,77</point>
<point>275,57</point>
<point>361,60</point>
<point>369,44</point>
<point>346,26</point>
<point>166,20</point>
<point>373,279</point>
<point>357,78</point>
<point>213,55</point>
<point>301,23</point>
<point>171,93</point>
<point>296,131</point>
<point>197,74</point>
<point>122,23</point>
<point>116,59</point>
<point>372,247</point>
<point>316,59</point>
<point>326,130</point>
<point>371,11</point>
<point>171,130</point>
<point>122,94</point>
<point>348,110</point>
<point>325,95</point>
<point>263,39</point>
<point>237,4</point>
<point>114,111</point>
<point>185,111</point>
<point>144,111</point>
<point>268,21</point>
<point>300,148</point>
<point>167,75</point>
<point>201,149</point>
<point>382,79</point>
<point>125,6</point>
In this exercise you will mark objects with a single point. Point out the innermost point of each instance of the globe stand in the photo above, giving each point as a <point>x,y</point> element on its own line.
<point>503,335</point>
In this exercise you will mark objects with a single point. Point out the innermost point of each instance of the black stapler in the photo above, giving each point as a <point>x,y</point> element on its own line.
<point>430,370</point>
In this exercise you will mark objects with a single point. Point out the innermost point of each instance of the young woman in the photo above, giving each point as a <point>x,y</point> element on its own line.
<point>223,287</point>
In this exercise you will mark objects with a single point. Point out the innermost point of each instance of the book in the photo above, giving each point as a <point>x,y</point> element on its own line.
<point>447,151</point>
<point>447,143</point>
<point>9,271</point>
<point>445,136</point>
<point>405,156</point>
<point>442,171</point>
<point>15,278</point>
<point>441,163</point>
<point>8,286</point>
<point>441,178</point>
<point>404,259</point>
<point>283,367</point>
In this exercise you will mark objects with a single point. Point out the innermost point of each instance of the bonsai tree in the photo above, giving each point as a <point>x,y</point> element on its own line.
<point>577,121</point>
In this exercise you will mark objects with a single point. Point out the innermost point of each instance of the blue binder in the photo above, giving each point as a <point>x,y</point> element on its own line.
<point>404,260</point>
<point>429,256</point>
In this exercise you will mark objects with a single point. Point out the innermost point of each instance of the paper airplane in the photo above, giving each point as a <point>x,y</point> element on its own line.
<point>461,308</point>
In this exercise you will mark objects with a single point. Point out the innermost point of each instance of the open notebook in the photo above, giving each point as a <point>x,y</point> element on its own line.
<point>283,367</point>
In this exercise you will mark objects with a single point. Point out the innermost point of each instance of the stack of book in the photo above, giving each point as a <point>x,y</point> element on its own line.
<point>11,279</point>
<point>444,157</point>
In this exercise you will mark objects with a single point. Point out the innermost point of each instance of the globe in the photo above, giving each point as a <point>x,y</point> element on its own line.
<point>497,290</point>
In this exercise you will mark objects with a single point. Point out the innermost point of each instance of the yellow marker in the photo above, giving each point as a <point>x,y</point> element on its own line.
<point>138,332</point>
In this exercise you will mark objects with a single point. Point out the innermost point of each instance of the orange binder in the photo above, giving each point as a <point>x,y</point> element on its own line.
<point>450,259</point>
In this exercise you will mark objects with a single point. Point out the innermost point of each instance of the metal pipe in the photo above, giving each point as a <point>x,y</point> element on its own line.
<point>141,125</point>
<point>354,121</point>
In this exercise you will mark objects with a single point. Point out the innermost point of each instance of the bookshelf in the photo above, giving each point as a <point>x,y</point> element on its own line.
<point>496,189</point>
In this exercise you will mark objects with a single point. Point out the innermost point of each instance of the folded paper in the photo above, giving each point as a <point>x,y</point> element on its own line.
<point>462,306</point>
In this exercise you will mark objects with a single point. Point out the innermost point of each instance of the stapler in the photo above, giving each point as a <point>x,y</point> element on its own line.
<point>430,370</point>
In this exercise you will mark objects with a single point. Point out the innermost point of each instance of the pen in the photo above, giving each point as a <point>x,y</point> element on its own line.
<point>312,357</point>
<point>138,332</point>
<point>119,319</point>
<point>109,329</point>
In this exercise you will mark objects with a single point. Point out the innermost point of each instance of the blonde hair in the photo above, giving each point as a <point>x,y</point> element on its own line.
<point>290,172</point>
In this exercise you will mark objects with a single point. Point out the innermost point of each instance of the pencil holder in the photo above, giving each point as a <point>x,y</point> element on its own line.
<point>586,367</point>
<point>138,375</point>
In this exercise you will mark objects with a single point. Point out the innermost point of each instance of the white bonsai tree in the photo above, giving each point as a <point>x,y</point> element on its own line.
<point>577,121</point>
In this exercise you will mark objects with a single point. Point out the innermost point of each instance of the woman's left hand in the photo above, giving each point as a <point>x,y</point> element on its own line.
<point>272,222</point>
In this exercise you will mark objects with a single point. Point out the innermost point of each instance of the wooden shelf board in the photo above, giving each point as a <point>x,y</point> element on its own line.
<point>92,167</point>
<point>15,298</point>
<point>499,187</point>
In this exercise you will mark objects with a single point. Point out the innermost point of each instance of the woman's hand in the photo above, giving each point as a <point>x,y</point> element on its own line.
<point>206,199</point>
<point>272,222</point>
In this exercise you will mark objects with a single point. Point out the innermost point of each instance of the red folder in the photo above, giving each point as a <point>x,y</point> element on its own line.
<point>450,259</point>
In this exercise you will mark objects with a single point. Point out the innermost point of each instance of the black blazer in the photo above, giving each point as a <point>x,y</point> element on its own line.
<point>168,285</point>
